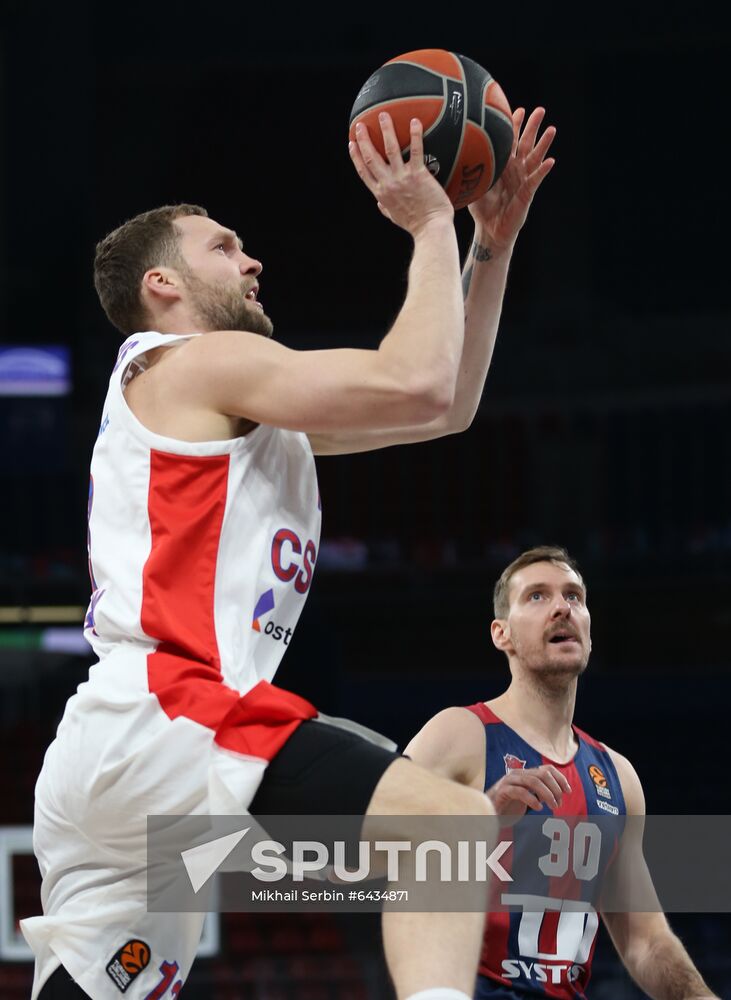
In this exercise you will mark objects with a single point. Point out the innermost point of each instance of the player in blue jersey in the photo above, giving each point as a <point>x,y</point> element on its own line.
<point>524,751</point>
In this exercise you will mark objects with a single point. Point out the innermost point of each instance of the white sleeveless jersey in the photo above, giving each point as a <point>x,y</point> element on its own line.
<point>201,556</point>
<point>207,547</point>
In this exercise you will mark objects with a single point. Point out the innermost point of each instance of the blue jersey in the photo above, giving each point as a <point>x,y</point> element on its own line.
<point>549,953</point>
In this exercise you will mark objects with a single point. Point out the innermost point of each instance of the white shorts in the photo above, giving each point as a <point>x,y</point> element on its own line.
<point>117,758</point>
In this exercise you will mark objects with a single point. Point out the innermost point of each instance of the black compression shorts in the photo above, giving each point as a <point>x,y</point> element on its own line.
<point>322,770</point>
<point>60,986</point>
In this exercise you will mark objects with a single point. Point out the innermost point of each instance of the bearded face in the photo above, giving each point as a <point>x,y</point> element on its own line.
<point>547,631</point>
<point>555,655</point>
<point>223,305</point>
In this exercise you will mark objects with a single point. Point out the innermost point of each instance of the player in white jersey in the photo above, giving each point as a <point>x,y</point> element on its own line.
<point>204,522</point>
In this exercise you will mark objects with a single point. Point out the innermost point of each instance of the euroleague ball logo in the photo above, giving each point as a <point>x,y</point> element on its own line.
<point>597,776</point>
<point>600,781</point>
<point>134,956</point>
<point>131,959</point>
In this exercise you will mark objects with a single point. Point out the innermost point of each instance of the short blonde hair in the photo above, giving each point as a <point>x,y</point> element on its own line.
<point>541,553</point>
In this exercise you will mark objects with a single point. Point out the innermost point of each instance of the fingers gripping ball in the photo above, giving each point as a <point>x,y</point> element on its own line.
<point>468,127</point>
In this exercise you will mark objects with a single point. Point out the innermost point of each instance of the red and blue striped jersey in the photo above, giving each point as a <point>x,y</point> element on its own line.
<point>546,953</point>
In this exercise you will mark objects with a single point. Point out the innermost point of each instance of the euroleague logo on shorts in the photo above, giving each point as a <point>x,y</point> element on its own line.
<point>600,781</point>
<point>292,562</point>
<point>131,959</point>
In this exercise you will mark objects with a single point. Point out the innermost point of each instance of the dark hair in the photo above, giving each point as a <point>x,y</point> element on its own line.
<point>541,553</point>
<point>124,255</point>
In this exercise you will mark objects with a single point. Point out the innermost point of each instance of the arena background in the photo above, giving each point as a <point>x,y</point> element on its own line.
<point>604,426</point>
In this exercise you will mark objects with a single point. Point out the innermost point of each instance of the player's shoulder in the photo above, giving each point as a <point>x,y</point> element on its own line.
<point>201,369</point>
<point>453,742</point>
<point>215,345</point>
<point>458,722</point>
<point>629,780</point>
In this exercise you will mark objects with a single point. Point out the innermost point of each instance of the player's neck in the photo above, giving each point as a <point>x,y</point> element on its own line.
<point>541,714</point>
<point>176,319</point>
<point>180,328</point>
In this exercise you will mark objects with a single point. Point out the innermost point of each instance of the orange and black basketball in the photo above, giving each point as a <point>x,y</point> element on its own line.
<point>134,957</point>
<point>468,127</point>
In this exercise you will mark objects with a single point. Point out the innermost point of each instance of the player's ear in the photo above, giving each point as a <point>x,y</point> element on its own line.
<point>162,283</point>
<point>500,632</point>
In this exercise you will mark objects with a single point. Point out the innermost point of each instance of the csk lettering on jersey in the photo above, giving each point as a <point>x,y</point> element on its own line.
<point>286,550</point>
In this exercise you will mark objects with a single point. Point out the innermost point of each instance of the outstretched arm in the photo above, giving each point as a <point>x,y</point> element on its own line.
<point>652,954</point>
<point>409,379</point>
<point>499,216</point>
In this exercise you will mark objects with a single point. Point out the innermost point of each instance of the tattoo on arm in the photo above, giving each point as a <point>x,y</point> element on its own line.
<point>478,252</point>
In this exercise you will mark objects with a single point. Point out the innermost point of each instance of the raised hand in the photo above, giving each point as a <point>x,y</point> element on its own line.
<point>406,192</point>
<point>503,209</point>
<point>530,788</point>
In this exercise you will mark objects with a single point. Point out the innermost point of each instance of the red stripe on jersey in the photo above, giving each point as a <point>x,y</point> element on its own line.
<point>548,934</point>
<point>589,739</point>
<point>186,504</point>
<point>484,713</point>
<point>257,724</point>
<point>262,721</point>
<point>573,804</point>
<point>497,923</point>
<point>495,946</point>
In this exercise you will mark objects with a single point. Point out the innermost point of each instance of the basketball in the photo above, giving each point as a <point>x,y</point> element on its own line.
<point>468,126</point>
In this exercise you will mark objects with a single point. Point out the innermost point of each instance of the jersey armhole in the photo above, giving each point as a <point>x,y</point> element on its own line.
<point>485,716</point>
<point>122,376</point>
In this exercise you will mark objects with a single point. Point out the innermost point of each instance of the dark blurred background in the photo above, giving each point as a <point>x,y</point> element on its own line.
<point>604,426</point>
